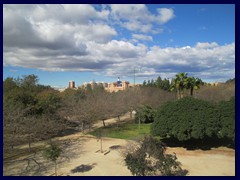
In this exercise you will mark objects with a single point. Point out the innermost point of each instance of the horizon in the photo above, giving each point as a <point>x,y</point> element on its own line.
<point>59,43</point>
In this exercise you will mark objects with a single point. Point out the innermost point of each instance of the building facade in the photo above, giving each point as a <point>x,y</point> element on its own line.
<point>71,84</point>
<point>110,87</point>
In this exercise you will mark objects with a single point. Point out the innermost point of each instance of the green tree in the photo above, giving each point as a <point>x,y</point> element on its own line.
<point>185,119</point>
<point>193,84</point>
<point>53,153</point>
<point>179,83</point>
<point>146,114</point>
<point>227,119</point>
<point>144,83</point>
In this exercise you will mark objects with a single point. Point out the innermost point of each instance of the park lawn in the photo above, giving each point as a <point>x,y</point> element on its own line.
<point>123,131</point>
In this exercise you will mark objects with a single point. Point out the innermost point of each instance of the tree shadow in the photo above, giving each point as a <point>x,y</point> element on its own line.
<point>182,172</point>
<point>67,132</point>
<point>115,147</point>
<point>83,168</point>
<point>203,144</point>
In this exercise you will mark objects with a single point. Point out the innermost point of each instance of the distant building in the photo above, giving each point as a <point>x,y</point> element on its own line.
<point>117,86</point>
<point>110,87</point>
<point>71,84</point>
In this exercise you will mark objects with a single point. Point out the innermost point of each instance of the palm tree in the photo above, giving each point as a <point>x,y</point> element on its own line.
<point>193,84</point>
<point>179,84</point>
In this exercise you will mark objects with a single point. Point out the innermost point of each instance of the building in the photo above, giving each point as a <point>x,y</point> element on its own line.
<point>71,84</point>
<point>110,87</point>
<point>117,86</point>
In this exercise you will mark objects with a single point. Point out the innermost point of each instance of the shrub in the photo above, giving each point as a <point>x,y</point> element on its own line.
<point>187,118</point>
<point>149,158</point>
<point>146,114</point>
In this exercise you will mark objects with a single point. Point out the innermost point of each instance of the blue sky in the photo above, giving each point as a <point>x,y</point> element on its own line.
<point>59,43</point>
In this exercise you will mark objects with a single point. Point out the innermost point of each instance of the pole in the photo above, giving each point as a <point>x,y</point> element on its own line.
<point>134,76</point>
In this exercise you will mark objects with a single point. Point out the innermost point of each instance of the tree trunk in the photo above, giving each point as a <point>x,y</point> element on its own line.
<point>131,114</point>
<point>55,164</point>
<point>29,146</point>
<point>83,127</point>
<point>178,94</point>
<point>118,121</point>
<point>191,91</point>
<point>103,123</point>
<point>139,123</point>
<point>101,144</point>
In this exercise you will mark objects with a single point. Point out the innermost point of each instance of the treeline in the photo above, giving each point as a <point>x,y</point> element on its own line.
<point>183,85</point>
<point>34,112</point>
<point>29,111</point>
<point>160,83</point>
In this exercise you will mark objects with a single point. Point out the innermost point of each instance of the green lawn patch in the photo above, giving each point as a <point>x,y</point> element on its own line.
<point>123,131</point>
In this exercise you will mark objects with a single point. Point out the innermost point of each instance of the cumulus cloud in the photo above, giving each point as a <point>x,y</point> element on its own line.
<point>137,17</point>
<point>81,38</point>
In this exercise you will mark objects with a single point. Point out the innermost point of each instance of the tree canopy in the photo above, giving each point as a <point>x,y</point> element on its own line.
<point>190,118</point>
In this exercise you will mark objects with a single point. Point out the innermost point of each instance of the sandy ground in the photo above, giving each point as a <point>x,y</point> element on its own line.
<point>82,157</point>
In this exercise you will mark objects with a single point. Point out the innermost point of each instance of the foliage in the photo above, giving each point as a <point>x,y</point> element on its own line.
<point>160,83</point>
<point>29,111</point>
<point>185,119</point>
<point>150,158</point>
<point>227,119</point>
<point>194,119</point>
<point>53,153</point>
<point>146,114</point>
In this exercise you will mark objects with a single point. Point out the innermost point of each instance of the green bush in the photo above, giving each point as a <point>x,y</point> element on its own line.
<point>227,119</point>
<point>185,119</point>
<point>146,114</point>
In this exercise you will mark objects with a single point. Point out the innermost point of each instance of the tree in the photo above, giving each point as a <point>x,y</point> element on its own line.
<point>29,111</point>
<point>150,158</point>
<point>179,84</point>
<point>227,119</point>
<point>144,83</point>
<point>145,113</point>
<point>53,153</point>
<point>185,119</point>
<point>193,84</point>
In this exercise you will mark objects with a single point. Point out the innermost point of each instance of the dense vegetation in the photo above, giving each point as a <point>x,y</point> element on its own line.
<point>191,118</point>
<point>145,114</point>
<point>34,112</point>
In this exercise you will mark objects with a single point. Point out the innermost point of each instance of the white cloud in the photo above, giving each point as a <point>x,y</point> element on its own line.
<point>81,38</point>
<point>142,37</point>
<point>206,45</point>
<point>137,17</point>
<point>165,15</point>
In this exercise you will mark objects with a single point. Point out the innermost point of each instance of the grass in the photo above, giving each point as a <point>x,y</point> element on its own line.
<point>123,131</point>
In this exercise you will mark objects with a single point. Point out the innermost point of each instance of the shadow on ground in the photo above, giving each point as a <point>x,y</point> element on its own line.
<point>83,168</point>
<point>115,147</point>
<point>204,144</point>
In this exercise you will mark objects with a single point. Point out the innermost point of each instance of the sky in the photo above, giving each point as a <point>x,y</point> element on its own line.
<point>81,42</point>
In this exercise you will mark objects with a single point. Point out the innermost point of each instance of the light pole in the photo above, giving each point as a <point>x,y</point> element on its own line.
<point>134,75</point>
